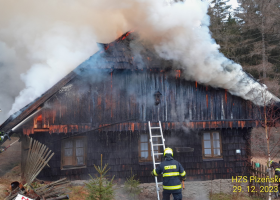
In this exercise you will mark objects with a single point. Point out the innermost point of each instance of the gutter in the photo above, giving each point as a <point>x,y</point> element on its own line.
<point>9,133</point>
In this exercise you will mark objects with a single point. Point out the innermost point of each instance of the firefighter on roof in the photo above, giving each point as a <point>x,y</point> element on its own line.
<point>173,173</point>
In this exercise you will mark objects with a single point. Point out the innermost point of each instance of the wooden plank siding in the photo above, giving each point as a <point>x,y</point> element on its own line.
<point>124,95</point>
<point>185,110</point>
<point>19,116</point>
<point>120,151</point>
<point>115,87</point>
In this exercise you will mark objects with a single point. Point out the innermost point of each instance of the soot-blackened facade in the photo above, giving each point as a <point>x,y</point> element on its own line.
<point>104,105</point>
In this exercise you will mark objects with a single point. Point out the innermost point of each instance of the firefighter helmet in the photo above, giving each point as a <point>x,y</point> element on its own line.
<point>168,151</point>
<point>269,163</point>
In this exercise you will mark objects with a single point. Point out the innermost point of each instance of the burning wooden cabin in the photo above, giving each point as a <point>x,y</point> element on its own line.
<point>103,106</point>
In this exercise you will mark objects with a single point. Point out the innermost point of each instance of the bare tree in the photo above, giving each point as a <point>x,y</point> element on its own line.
<point>268,119</point>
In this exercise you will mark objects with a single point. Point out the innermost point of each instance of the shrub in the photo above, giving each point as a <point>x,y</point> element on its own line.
<point>77,192</point>
<point>131,186</point>
<point>100,188</point>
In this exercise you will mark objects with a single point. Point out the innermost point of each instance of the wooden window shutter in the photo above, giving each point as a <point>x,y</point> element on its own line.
<point>62,155</point>
<point>145,150</point>
<point>68,152</point>
<point>85,150</point>
<point>79,151</point>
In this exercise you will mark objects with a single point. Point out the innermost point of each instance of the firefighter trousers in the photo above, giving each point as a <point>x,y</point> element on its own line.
<point>176,196</point>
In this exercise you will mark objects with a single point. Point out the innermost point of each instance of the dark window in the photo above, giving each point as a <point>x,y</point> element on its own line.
<point>211,144</point>
<point>145,150</point>
<point>73,152</point>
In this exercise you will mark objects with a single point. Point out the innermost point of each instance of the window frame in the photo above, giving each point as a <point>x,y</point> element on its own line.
<point>212,146</point>
<point>66,167</point>
<point>39,122</point>
<point>149,159</point>
<point>39,125</point>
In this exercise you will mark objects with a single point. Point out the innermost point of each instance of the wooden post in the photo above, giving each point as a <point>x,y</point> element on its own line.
<point>258,175</point>
<point>250,184</point>
<point>255,174</point>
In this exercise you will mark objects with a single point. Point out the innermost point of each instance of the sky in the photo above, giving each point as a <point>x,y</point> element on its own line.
<point>233,3</point>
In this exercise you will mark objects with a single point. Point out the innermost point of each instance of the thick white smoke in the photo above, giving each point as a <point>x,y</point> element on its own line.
<point>42,41</point>
<point>54,54</point>
<point>180,32</point>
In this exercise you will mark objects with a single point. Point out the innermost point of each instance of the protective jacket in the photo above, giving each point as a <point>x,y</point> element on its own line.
<point>172,171</point>
<point>276,167</point>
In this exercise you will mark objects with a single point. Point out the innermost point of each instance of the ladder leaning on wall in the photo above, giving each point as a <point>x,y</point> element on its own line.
<point>152,148</point>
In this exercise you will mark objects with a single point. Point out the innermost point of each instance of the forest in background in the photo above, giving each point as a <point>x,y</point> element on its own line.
<point>250,36</point>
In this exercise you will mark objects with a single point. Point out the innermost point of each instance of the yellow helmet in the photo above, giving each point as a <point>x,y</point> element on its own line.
<point>168,151</point>
<point>269,163</point>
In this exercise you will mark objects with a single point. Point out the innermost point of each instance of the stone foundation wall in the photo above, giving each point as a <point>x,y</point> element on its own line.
<point>196,189</point>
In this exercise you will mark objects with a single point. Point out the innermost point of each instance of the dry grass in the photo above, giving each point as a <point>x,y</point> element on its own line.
<point>4,185</point>
<point>78,192</point>
<point>7,179</point>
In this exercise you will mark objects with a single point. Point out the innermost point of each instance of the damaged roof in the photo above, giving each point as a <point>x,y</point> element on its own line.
<point>126,52</point>
<point>115,55</point>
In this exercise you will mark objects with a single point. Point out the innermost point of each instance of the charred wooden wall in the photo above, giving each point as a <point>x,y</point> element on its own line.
<point>120,151</point>
<point>100,99</point>
<point>103,98</point>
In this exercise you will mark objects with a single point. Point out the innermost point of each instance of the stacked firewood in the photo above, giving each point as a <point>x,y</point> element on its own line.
<point>54,189</point>
<point>37,158</point>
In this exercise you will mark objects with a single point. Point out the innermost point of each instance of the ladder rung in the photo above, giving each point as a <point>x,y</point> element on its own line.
<point>156,136</point>
<point>158,153</point>
<point>155,127</point>
<point>157,144</point>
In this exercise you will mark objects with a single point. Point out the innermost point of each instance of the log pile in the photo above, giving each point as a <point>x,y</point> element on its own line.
<point>37,158</point>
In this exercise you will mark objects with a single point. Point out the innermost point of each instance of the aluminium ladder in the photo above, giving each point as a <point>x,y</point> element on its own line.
<point>152,148</point>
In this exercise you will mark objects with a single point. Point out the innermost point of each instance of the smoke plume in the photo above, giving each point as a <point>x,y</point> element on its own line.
<point>42,41</point>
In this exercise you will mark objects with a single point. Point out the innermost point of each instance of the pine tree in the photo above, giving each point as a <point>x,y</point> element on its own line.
<point>224,28</point>
<point>218,12</point>
<point>260,24</point>
<point>100,188</point>
<point>131,186</point>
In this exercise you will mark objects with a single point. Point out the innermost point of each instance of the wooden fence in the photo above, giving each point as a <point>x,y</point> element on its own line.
<point>258,187</point>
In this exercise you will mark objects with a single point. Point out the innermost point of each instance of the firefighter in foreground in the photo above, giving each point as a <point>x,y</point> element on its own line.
<point>173,173</point>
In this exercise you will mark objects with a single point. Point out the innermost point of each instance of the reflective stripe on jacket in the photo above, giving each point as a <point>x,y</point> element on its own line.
<point>171,171</point>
